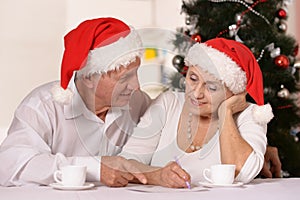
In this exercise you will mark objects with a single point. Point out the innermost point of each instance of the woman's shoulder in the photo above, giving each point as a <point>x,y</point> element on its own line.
<point>247,112</point>
<point>248,115</point>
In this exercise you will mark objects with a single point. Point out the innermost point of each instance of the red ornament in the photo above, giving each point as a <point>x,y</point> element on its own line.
<point>282,61</point>
<point>281,14</point>
<point>196,38</point>
<point>184,70</point>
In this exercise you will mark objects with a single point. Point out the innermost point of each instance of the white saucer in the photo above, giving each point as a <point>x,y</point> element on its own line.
<point>211,185</point>
<point>66,187</point>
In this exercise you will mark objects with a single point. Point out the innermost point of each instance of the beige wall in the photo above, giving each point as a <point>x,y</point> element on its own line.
<point>30,50</point>
<point>135,12</point>
<point>293,23</point>
<point>296,22</point>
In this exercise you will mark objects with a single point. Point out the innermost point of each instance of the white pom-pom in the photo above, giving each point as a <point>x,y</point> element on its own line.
<point>262,114</point>
<point>60,95</point>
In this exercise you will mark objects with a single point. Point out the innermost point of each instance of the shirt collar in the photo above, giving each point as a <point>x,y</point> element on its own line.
<point>77,107</point>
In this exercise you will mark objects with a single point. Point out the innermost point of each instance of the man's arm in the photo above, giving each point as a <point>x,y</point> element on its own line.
<point>117,171</point>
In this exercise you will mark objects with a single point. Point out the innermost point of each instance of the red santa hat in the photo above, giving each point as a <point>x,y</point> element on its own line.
<point>96,46</point>
<point>234,64</point>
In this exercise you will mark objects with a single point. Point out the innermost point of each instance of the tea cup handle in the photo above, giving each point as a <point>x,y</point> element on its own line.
<point>205,171</point>
<point>57,176</point>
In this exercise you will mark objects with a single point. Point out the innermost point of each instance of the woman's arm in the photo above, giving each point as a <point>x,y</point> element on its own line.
<point>234,148</point>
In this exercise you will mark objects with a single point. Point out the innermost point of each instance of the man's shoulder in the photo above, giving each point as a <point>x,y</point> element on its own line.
<point>39,94</point>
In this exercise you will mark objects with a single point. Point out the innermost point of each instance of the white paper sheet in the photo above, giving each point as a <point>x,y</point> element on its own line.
<point>159,189</point>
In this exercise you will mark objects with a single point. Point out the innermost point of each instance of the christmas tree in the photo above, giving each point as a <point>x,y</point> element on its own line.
<point>260,25</point>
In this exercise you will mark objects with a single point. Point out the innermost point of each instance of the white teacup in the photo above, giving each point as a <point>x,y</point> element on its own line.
<point>70,175</point>
<point>220,174</point>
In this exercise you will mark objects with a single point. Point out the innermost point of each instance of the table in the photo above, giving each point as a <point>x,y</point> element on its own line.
<point>264,189</point>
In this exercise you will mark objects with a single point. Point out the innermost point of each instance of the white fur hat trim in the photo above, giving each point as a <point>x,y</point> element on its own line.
<point>110,57</point>
<point>61,95</point>
<point>262,114</point>
<point>221,66</point>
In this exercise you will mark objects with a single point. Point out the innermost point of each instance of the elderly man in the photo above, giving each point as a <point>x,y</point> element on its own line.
<point>85,118</point>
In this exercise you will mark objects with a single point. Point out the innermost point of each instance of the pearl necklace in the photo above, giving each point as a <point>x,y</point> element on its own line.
<point>192,146</point>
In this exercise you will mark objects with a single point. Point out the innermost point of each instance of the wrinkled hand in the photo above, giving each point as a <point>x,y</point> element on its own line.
<point>173,176</point>
<point>233,104</point>
<point>272,164</point>
<point>116,171</point>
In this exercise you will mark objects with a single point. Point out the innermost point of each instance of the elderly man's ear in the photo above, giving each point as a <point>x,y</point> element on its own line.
<point>89,82</point>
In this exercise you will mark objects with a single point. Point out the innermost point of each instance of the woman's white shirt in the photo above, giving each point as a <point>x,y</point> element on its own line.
<point>154,140</point>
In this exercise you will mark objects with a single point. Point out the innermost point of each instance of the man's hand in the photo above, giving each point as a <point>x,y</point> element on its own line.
<point>116,171</point>
<point>272,164</point>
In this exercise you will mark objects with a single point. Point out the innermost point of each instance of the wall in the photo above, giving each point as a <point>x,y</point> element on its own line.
<point>293,21</point>
<point>30,50</point>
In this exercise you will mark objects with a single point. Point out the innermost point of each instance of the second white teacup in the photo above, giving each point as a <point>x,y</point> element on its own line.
<point>70,175</point>
<point>220,174</point>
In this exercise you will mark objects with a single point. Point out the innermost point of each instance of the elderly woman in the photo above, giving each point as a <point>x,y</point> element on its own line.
<point>211,123</point>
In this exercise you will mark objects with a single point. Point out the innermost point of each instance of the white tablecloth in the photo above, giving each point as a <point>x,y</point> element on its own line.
<point>264,189</point>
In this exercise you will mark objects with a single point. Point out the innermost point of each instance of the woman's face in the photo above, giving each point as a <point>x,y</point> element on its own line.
<point>204,93</point>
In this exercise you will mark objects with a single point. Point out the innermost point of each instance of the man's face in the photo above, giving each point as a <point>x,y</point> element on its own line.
<point>115,88</point>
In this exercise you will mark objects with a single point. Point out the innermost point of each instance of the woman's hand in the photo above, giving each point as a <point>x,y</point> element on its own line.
<point>173,176</point>
<point>233,104</point>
